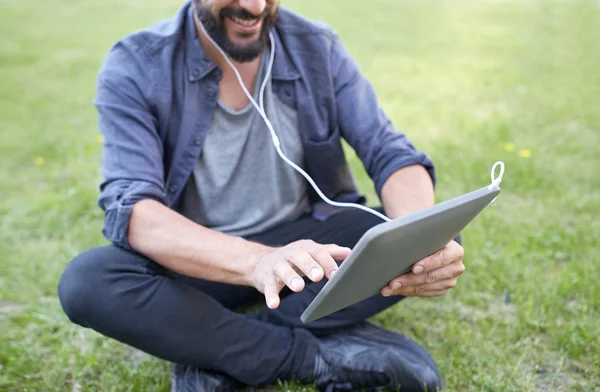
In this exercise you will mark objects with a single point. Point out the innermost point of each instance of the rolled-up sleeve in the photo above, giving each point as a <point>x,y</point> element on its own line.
<point>382,149</point>
<point>132,155</point>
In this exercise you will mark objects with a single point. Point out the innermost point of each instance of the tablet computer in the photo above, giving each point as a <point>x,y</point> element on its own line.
<point>389,250</point>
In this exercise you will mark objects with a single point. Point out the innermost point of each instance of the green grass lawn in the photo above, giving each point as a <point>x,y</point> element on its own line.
<point>470,82</point>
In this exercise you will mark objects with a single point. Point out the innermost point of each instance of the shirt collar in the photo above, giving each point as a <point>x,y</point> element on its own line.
<point>200,65</point>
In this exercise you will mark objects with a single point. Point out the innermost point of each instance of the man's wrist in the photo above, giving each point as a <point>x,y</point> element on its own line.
<point>255,254</point>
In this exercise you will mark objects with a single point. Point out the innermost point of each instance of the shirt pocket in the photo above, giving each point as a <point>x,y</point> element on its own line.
<point>326,164</point>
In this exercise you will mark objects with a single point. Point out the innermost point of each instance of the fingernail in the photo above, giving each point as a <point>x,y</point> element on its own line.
<point>297,284</point>
<point>271,303</point>
<point>315,273</point>
<point>333,273</point>
<point>396,285</point>
<point>386,292</point>
<point>418,269</point>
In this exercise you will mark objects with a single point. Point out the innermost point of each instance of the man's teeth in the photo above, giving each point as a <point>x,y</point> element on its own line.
<point>245,22</point>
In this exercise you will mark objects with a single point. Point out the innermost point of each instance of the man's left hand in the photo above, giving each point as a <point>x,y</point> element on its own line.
<point>432,276</point>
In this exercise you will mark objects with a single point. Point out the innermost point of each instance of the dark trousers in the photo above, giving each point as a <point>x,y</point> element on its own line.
<point>130,298</point>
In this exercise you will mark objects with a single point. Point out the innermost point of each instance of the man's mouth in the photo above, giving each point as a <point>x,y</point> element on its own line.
<point>246,22</point>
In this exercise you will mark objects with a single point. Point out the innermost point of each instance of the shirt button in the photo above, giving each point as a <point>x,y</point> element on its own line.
<point>195,73</point>
<point>211,92</point>
<point>172,189</point>
<point>197,141</point>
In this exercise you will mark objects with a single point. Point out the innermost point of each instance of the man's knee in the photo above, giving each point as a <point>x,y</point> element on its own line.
<point>80,283</point>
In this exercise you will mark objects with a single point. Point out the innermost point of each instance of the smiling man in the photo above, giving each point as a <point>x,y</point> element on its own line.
<point>204,217</point>
<point>242,32</point>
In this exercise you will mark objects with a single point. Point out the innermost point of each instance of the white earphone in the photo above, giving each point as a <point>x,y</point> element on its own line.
<point>276,143</point>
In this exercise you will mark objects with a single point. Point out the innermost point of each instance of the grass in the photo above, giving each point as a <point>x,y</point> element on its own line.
<point>470,82</point>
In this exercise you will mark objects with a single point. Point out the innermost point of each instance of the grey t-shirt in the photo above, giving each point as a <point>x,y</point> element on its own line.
<point>240,185</point>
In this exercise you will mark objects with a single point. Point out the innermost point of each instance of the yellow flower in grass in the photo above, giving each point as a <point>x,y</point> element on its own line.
<point>39,161</point>
<point>510,147</point>
<point>100,138</point>
<point>525,153</point>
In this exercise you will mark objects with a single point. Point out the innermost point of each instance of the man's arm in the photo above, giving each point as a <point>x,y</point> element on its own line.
<point>193,250</point>
<point>190,249</point>
<point>407,190</point>
<point>403,176</point>
<point>133,195</point>
<point>382,149</point>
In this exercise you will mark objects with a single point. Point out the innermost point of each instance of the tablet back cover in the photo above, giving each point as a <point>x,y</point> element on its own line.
<point>390,249</point>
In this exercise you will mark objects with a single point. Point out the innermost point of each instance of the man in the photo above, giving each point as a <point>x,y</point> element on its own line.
<point>204,217</point>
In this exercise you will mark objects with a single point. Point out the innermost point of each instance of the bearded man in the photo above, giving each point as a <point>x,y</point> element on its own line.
<point>205,218</point>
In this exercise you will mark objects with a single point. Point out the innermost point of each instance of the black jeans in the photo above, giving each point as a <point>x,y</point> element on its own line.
<point>130,298</point>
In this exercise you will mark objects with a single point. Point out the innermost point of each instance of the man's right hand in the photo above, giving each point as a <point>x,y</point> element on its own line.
<point>275,268</point>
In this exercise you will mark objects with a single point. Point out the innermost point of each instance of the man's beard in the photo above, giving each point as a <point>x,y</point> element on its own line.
<point>217,31</point>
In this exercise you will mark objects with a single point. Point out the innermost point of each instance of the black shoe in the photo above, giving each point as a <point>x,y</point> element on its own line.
<point>365,357</point>
<point>189,379</point>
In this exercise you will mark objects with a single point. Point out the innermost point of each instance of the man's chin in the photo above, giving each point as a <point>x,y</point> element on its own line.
<point>242,44</point>
<point>244,50</point>
<point>244,54</point>
<point>243,40</point>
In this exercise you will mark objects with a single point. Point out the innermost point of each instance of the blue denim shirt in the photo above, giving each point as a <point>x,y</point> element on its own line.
<point>157,92</point>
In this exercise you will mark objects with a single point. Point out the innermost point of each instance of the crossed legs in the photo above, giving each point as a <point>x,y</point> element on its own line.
<point>130,298</point>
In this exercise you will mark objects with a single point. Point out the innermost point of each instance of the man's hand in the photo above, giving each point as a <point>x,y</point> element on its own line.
<point>279,267</point>
<point>432,276</point>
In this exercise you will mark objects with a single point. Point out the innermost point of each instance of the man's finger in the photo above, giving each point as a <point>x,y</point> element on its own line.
<point>285,272</point>
<point>305,263</point>
<point>272,294</point>
<point>418,290</point>
<point>325,260</point>
<point>451,253</point>
<point>410,279</point>
<point>338,253</point>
